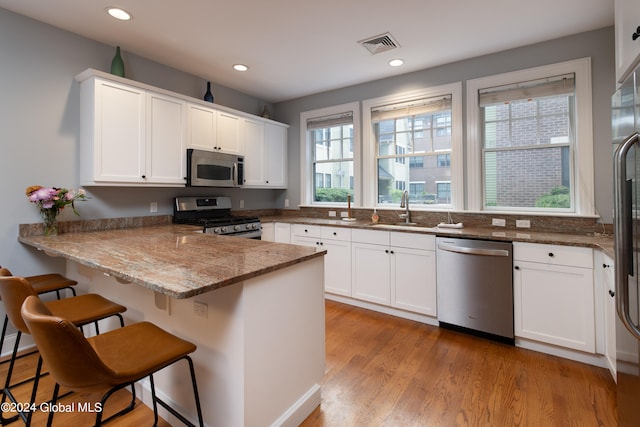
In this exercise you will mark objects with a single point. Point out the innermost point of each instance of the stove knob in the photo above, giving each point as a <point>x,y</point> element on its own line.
<point>223,229</point>
<point>249,226</point>
<point>236,227</point>
<point>254,226</point>
<point>216,230</point>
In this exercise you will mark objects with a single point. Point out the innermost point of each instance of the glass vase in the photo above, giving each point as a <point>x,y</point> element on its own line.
<point>117,64</point>
<point>50,222</point>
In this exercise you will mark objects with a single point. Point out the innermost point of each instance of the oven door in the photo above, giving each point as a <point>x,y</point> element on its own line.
<point>210,169</point>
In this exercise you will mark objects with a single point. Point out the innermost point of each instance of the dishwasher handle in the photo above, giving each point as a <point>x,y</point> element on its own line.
<point>472,251</point>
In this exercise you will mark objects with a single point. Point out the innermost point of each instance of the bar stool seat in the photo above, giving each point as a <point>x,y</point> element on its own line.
<point>42,284</point>
<point>79,310</point>
<point>108,362</point>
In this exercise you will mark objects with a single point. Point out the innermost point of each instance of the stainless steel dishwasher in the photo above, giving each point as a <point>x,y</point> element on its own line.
<point>475,286</point>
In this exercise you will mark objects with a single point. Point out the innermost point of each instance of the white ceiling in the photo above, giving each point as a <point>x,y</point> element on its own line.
<point>300,47</point>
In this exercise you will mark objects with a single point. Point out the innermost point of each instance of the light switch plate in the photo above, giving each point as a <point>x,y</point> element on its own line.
<point>523,223</point>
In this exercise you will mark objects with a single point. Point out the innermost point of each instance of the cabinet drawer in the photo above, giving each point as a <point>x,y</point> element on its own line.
<point>370,236</point>
<point>306,230</point>
<point>413,240</point>
<point>553,254</point>
<point>335,233</point>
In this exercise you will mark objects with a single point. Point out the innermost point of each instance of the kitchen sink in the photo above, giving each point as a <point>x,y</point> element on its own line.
<point>404,226</point>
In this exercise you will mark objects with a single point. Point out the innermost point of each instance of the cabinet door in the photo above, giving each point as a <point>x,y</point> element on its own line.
<point>268,232</point>
<point>370,273</point>
<point>610,316</point>
<point>283,232</point>
<point>228,132</point>
<point>627,19</point>
<point>119,133</point>
<point>337,267</point>
<point>201,128</point>
<point>554,304</point>
<point>254,153</point>
<point>413,280</point>
<point>275,155</point>
<point>166,150</point>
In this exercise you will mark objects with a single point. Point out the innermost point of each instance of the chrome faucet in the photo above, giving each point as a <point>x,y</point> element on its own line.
<point>404,204</point>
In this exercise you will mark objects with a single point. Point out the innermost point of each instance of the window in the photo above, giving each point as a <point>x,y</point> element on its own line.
<point>416,162</point>
<point>328,172</point>
<point>405,139</point>
<point>527,151</point>
<point>444,160</point>
<point>443,192</point>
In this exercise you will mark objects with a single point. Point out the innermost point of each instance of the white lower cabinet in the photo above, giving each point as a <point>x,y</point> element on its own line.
<point>554,295</point>
<point>337,262</point>
<point>604,268</point>
<point>395,269</point>
<point>279,232</point>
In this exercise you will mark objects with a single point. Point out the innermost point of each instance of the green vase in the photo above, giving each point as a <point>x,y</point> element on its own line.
<point>117,64</point>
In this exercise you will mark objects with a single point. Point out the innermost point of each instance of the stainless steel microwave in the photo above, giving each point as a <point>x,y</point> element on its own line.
<point>214,169</point>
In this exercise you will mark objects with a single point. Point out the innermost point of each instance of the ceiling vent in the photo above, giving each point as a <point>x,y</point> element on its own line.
<point>381,43</point>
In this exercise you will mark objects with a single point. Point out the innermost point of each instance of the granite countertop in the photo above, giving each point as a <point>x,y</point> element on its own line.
<point>603,242</point>
<point>172,259</point>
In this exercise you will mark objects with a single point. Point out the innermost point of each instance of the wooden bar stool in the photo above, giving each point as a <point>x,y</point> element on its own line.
<point>42,284</point>
<point>107,362</point>
<point>79,310</point>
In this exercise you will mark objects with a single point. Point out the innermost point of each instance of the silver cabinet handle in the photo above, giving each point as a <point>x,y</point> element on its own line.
<point>472,251</point>
<point>623,230</point>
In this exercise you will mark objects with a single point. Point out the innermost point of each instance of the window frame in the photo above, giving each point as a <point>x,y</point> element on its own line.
<point>583,170</point>
<point>306,154</point>
<point>369,166</point>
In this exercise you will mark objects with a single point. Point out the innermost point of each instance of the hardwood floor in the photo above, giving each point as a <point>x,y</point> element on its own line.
<point>71,414</point>
<point>386,371</point>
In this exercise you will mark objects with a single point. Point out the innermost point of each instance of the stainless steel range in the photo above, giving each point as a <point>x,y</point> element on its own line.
<point>213,214</point>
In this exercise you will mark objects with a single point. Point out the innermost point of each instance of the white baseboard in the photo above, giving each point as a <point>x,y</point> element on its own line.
<point>299,411</point>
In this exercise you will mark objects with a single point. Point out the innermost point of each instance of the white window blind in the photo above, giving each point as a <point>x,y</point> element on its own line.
<point>552,86</point>
<point>341,119</point>
<point>410,108</point>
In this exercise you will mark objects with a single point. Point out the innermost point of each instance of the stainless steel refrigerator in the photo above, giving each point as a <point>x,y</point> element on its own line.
<point>626,125</point>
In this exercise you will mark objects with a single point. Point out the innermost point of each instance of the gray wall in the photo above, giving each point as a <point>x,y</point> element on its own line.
<point>39,131</point>
<point>599,45</point>
<point>39,120</point>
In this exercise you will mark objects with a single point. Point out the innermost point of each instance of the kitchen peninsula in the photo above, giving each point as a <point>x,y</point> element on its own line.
<point>255,310</point>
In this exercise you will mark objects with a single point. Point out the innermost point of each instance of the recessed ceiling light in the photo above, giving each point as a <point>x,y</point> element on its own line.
<point>118,13</point>
<point>396,62</point>
<point>240,67</point>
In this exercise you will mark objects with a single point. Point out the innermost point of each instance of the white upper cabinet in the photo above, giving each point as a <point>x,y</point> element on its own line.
<point>212,130</point>
<point>165,148</point>
<point>134,134</point>
<point>265,154</point>
<point>254,152</point>
<point>112,148</point>
<point>276,155</point>
<point>229,135</point>
<point>201,128</point>
<point>627,20</point>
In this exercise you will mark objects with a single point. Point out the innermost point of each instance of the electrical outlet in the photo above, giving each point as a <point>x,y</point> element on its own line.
<point>241,204</point>
<point>332,213</point>
<point>344,214</point>
<point>286,203</point>
<point>153,207</point>
<point>499,222</point>
<point>200,309</point>
<point>523,223</point>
